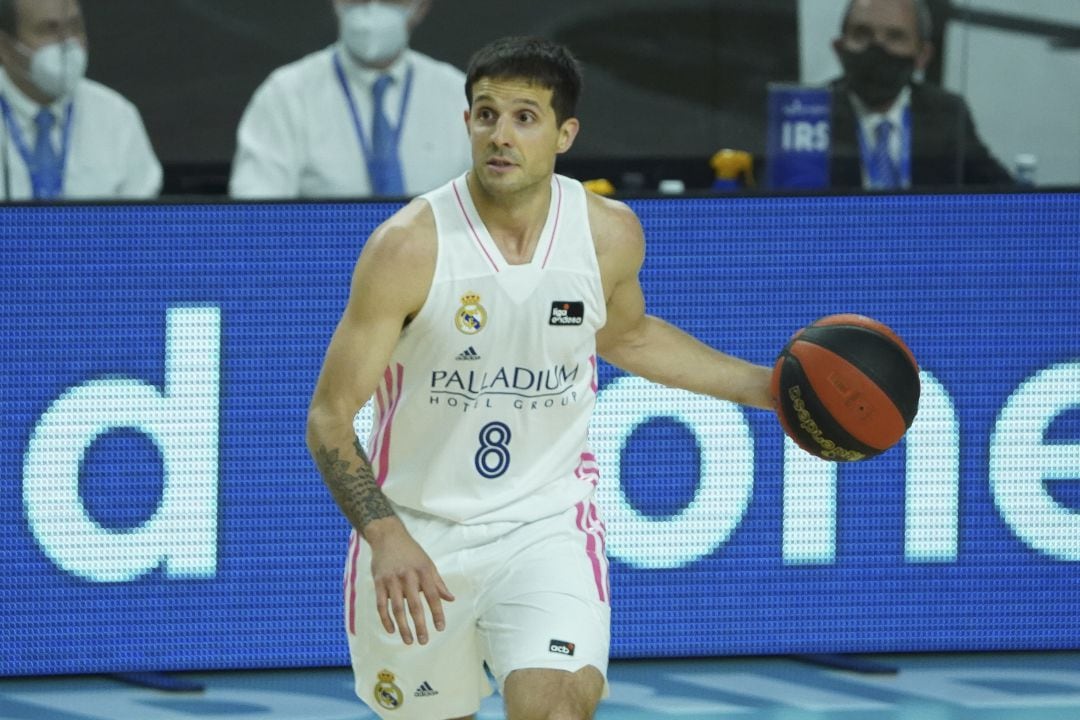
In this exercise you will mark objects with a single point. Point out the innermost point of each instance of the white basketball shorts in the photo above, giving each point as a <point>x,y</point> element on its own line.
<point>532,595</point>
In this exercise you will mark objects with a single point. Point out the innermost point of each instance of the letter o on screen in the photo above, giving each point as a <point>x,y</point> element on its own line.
<point>724,489</point>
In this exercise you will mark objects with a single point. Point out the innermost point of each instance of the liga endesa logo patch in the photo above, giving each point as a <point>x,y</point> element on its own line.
<point>567,312</point>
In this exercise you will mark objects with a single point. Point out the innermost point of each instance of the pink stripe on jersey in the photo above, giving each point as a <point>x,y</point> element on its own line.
<point>476,235</point>
<point>601,533</point>
<point>377,426</point>
<point>554,225</point>
<point>585,517</point>
<point>592,383</point>
<point>348,554</point>
<point>587,469</point>
<point>386,426</point>
<point>350,590</point>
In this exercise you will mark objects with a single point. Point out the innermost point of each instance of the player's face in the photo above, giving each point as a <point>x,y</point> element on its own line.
<point>515,135</point>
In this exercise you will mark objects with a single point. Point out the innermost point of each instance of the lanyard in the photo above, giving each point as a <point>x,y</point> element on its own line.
<point>365,145</point>
<point>904,169</point>
<point>24,149</point>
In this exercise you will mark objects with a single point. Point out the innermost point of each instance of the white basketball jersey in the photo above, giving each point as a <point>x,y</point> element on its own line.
<point>483,411</point>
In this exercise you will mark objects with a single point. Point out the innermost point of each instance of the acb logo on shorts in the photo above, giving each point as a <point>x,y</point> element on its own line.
<point>471,317</point>
<point>387,694</point>
<point>562,647</point>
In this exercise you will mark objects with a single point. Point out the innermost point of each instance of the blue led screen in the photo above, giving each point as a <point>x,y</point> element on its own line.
<point>159,510</point>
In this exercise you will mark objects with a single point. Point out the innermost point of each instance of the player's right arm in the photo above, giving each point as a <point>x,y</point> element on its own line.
<point>646,345</point>
<point>389,286</point>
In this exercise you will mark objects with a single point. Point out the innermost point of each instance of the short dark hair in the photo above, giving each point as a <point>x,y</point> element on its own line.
<point>8,17</point>
<point>924,21</point>
<point>538,61</point>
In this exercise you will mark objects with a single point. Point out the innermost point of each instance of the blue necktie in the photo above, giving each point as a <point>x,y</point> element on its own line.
<point>384,164</point>
<point>881,168</point>
<point>45,171</point>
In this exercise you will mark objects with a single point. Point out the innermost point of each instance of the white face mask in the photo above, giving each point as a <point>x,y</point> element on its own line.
<point>375,32</point>
<point>56,69</point>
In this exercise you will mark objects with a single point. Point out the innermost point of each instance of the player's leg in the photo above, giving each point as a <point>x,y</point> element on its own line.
<point>545,619</point>
<point>553,694</point>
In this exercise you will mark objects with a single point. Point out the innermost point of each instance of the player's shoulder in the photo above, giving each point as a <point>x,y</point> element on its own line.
<point>405,239</point>
<point>615,226</point>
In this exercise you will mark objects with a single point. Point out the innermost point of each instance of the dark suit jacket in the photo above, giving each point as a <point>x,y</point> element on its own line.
<point>945,148</point>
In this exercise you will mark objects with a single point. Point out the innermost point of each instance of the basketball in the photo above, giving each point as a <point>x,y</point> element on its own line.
<point>846,388</point>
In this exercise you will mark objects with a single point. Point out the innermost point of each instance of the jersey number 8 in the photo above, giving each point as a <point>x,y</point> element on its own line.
<point>493,457</point>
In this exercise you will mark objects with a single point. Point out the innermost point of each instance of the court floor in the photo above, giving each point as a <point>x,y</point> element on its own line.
<point>1013,686</point>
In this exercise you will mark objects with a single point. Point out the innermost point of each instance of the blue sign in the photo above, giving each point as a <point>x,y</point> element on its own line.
<point>797,144</point>
<point>159,510</point>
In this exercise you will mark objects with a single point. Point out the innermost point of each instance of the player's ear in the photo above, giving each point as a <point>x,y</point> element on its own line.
<point>567,132</point>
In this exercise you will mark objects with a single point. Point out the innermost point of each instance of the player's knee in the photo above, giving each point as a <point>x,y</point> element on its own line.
<point>565,710</point>
<point>579,705</point>
<point>565,714</point>
<point>578,713</point>
<point>554,695</point>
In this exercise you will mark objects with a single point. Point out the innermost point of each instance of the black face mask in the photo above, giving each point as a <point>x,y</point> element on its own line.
<point>876,75</point>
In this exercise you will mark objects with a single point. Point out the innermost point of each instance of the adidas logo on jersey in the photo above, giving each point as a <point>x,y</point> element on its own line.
<point>425,690</point>
<point>469,354</point>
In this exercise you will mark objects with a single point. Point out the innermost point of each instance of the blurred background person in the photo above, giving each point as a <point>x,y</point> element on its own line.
<point>64,136</point>
<point>890,129</point>
<point>366,116</point>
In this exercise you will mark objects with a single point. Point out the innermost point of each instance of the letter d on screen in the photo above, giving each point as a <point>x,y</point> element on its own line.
<point>182,421</point>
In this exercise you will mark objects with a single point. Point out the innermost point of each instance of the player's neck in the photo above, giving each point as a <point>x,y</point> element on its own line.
<point>514,220</point>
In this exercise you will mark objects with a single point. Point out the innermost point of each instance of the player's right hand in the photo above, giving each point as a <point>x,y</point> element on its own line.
<point>403,572</point>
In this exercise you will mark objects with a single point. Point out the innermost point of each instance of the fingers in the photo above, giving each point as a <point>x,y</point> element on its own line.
<point>382,600</point>
<point>435,593</point>
<point>444,592</point>
<point>397,604</point>
<point>416,609</point>
<point>433,590</point>
<point>398,599</point>
<point>390,603</point>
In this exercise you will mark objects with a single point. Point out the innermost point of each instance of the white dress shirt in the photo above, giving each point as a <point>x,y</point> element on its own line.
<point>868,124</point>
<point>109,154</point>
<point>297,137</point>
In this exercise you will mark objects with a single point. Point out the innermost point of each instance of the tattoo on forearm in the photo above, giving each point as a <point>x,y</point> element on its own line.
<point>352,483</point>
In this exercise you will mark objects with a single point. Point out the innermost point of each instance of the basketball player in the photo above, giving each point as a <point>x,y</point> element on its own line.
<point>475,319</point>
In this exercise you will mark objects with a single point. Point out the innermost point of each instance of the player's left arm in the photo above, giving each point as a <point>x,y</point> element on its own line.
<point>644,344</point>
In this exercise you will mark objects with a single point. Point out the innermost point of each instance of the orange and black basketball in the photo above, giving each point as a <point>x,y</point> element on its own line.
<point>846,388</point>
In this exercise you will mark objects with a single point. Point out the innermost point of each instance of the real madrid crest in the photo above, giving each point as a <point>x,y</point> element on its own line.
<point>471,317</point>
<point>387,694</point>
